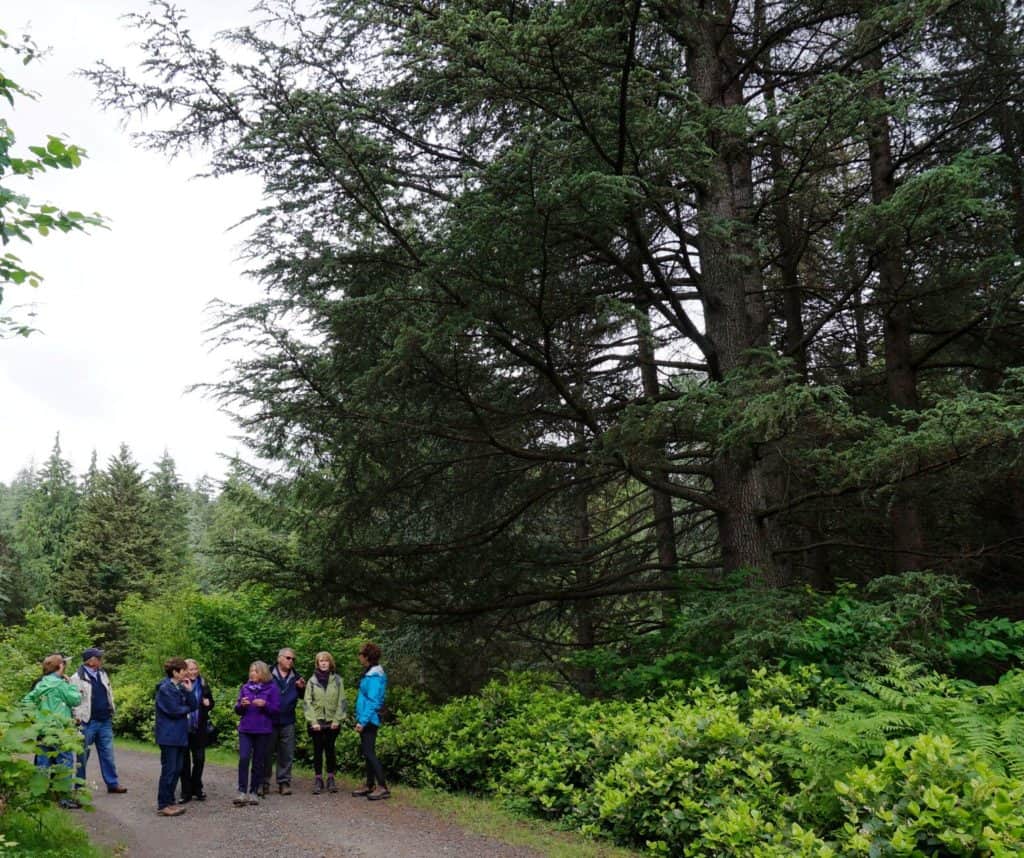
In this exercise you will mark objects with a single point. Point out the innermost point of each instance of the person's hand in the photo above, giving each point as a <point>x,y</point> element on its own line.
<point>300,684</point>
<point>334,725</point>
<point>206,702</point>
<point>316,727</point>
<point>246,701</point>
<point>359,728</point>
<point>259,702</point>
<point>186,684</point>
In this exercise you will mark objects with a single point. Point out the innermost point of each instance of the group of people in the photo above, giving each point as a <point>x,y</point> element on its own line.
<point>267,703</point>
<point>86,698</point>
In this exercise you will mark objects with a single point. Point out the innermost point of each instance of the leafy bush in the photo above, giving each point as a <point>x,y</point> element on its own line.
<point>23,648</point>
<point>728,632</point>
<point>905,701</point>
<point>23,786</point>
<point>707,771</point>
<point>47,834</point>
<point>456,745</point>
<point>928,800</point>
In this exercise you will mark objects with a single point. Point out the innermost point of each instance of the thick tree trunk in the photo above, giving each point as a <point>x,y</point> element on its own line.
<point>894,301</point>
<point>732,291</point>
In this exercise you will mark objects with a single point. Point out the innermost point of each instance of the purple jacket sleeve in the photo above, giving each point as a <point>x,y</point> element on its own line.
<point>273,700</point>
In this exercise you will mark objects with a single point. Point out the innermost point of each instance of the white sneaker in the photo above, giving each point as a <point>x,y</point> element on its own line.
<point>241,799</point>
<point>254,798</point>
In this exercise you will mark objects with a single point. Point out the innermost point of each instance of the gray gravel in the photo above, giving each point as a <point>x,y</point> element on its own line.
<point>301,825</point>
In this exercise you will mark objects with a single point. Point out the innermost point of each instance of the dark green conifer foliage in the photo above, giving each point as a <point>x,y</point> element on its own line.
<point>570,303</point>
<point>43,530</point>
<point>169,509</point>
<point>115,548</point>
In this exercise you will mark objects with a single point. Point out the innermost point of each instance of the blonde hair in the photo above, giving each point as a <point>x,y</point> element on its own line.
<point>261,670</point>
<point>324,654</point>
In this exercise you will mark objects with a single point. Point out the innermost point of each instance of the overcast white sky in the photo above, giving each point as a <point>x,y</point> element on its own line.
<point>121,311</point>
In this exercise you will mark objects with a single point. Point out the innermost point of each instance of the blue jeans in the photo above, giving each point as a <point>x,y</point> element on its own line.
<point>172,758</point>
<point>48,758</point>
<point>102,733</point>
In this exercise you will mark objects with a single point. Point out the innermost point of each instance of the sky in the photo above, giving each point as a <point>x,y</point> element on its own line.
<point>122,312</point>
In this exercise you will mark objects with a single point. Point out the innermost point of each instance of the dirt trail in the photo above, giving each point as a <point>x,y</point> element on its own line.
<point>301,825</point>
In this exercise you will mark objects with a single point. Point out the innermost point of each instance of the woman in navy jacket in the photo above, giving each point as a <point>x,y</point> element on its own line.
<point>174,701</point>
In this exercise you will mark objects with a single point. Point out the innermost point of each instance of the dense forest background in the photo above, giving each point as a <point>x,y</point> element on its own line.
<point>669,353</point>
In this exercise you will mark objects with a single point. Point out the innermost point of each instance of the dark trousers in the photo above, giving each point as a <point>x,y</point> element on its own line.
<point>252,756</point>
<point>171,759</point>
<point>281,748</point>
<point>368,747</point>
<point>193,765</point>
<point>323,745</point>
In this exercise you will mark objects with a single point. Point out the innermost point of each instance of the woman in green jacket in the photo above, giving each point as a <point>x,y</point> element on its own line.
<point>54,698</point>
<point>324,704</point>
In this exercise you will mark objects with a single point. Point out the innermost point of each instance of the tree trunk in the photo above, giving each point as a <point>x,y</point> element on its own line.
<point>661,503</point>
<point>585,678</point>
<point>732,291</point>
<point>894,300</point>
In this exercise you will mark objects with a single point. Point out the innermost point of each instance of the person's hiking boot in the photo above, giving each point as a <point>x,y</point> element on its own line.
<point>117,790</point>
<point>265,790</point>
<point>284,788</point>
<point>70,804</point>
<point>362,792</point>
<point>241,800</point>
<point>331,786</point>
<point>171,810</point>
<point>379,793</point>
<point>318,785</point>
<point>254,797</point>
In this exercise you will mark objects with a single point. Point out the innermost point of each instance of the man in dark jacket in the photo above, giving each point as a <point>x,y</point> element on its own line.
<point>174,701</point>
<point>199,733</point>
<point>282,741</point>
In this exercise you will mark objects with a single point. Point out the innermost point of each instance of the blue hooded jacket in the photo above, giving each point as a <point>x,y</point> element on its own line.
<point>373,687</point>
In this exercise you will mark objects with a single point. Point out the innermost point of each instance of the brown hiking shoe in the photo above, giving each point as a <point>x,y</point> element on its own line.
<point>172,810</point>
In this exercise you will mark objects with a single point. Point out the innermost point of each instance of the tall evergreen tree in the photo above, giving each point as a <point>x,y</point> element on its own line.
<point>537,260</point>
<point>169,508</point>
<point>43,529</point>
<point>115,546</point>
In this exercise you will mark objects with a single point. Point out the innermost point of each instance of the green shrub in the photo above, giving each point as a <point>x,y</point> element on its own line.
<point>928,800</point>
<point>729,631</point>
<point>558,744</point>
<point>23,786</point>
<point>47,834</point>
<point>693,764</point>
<point>23,648</point>
<point>456,745</point>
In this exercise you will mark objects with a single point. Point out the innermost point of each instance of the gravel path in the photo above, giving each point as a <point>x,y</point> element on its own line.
<point>301,825</point>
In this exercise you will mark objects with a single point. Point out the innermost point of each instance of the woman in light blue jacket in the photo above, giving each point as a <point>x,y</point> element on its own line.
<point>372,689</point>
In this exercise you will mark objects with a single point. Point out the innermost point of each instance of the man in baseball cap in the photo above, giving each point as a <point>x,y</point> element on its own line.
<point>95,717</point>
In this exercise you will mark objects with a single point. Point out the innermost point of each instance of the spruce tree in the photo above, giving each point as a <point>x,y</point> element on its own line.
<point>169,508</point>
<point>115,546</point>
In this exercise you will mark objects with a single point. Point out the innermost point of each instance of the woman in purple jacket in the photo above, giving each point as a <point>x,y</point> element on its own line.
<point>258,702</point>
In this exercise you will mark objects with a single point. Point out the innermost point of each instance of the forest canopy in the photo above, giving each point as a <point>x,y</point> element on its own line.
<point>571,308</point>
